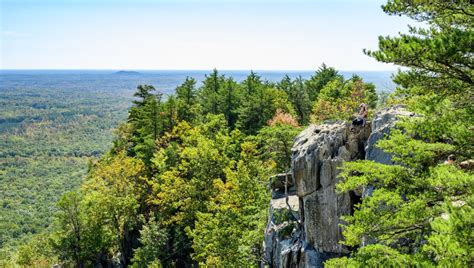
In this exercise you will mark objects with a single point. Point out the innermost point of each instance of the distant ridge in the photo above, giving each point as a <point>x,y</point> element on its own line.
<point>127,72</point>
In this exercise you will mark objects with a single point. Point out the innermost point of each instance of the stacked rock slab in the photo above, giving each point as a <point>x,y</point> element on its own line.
<point>318,152</point>
<point>283,218</point>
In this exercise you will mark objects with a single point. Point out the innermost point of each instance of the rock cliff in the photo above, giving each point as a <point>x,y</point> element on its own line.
<point>304,227</point>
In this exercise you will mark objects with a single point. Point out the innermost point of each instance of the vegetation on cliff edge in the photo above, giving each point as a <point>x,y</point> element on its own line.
<point>420,212</point>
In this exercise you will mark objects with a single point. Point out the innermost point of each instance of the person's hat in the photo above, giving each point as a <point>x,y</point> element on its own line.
<point>362,105</point>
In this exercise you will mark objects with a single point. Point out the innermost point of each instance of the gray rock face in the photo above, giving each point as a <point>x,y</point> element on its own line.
<point>383,121</point>
<point>318,152</point>
<point>281,225</point>
<point>316,160</point>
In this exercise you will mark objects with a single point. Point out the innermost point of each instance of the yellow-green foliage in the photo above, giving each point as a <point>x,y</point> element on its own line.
<point>340,99</point>
<point>231,230</point>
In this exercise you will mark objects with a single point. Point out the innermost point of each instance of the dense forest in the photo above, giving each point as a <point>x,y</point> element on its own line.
<point>47,138</point>
<point>182,165</point>
<point>186,180</point>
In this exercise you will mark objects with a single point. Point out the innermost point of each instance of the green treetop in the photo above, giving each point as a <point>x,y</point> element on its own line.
<point>186,96</point>
<point>320,78</point>
<point>209,92</point>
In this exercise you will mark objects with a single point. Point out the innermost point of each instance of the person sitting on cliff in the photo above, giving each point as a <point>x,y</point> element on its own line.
<point>361,116</point>
<point>451,159</point>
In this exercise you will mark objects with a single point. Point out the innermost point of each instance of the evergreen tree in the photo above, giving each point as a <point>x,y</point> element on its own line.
<point>209,92</point>
<point>229,101</point>
<point>420,213</point>
<point>142,93</point>
<point>320,78</point>
<point>170,113</point>
<point>252,83</point>
<point>300,100</point>
<point>186,97</point>
<point>259,104</point>
<point>285,84</point>
<point>146,121</point>
<point>298,97</point>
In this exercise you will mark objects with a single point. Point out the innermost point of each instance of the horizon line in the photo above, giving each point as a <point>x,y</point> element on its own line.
<point>266,70</point>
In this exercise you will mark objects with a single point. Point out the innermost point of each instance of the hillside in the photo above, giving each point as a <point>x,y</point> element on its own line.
<point>47,139</point>
<point>186,147</point>
<point>321,171</point>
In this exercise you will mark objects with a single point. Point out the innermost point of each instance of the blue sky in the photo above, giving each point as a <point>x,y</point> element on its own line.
<point>192,34</point>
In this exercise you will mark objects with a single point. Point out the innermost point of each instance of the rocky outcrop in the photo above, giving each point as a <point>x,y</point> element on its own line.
<point>309,232</point>
<point>383,121</point>
<point>315,232</point>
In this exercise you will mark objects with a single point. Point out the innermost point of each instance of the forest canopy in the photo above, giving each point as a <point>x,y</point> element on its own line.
<point>187,177</point>
<point>186,180</point>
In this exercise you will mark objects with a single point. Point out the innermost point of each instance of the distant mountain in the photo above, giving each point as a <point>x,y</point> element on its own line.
<point>127,72</point>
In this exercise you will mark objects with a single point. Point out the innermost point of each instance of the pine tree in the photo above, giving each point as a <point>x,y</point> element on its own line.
<point>186,97</point>
<point>229,101</point>
<point>297,96</point>
<point>142,93</point>
<point>147,124</point>
<point>170,113</point>
<point>252,83</point>
<point>320,78</point>
<point>420,213</point>
<point>209,92</point>
<point>300,100</point>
